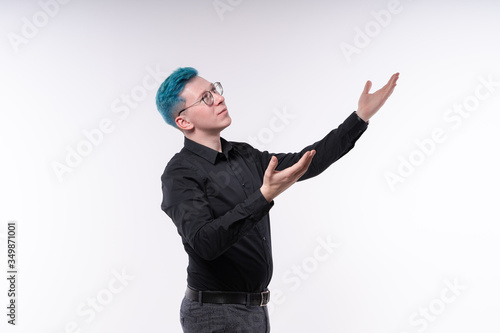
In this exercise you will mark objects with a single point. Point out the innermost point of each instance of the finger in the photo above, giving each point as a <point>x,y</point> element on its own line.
<point>306,158</point>
<point>309,159</point>
<point>305,167</point>
<point>394,78</point>
<point>387,90</point>
<point>307,162</point>
<point>387,85</point>
<point>302,165</point>
<point>271,166</point>
<point>311,155</point>
<point>392,84</point>
<point>368,86</point>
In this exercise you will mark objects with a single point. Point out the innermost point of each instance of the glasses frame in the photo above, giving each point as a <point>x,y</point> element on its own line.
<point>217,89</point>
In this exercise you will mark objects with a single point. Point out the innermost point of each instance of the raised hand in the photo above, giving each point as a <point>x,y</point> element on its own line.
<point>369,104</point>
<point>276,182</point>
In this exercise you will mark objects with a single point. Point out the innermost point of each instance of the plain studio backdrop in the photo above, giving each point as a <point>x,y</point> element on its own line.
<point>399,235</point>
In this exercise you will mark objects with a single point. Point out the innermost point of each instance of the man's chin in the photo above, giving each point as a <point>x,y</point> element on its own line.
<point>229,121</point>
<point>226,124</point>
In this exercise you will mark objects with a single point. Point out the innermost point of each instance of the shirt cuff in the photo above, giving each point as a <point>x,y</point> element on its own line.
<point>359,118</point>
<point>258,206</point>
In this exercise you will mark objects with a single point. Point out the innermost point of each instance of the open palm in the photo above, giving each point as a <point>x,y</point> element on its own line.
<point>369,104</point>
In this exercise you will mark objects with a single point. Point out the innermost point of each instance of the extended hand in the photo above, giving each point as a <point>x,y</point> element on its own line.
<point>369,104</point>
<point>275,182</point>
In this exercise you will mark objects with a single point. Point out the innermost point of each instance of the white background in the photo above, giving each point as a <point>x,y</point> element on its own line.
<point>399,247</point>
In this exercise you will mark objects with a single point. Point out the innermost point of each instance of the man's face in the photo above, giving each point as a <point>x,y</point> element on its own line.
<point>210,119</point>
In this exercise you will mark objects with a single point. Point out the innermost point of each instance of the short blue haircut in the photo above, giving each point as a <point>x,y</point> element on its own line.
<point>168,100</point>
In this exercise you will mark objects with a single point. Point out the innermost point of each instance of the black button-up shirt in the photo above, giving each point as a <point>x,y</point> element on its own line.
<point>215,201</point>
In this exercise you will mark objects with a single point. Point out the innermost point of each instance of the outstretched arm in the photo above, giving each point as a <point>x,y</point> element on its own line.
<point>337,143</point>
<point>369,104</point>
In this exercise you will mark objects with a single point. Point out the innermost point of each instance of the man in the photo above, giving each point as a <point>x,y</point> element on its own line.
<point>219,194</point>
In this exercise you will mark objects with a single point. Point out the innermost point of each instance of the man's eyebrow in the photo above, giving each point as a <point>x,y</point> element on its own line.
<point>212,87</point>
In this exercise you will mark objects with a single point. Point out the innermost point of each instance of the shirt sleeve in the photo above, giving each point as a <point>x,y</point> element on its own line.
<point>332,147</point>
<point>186,203</point>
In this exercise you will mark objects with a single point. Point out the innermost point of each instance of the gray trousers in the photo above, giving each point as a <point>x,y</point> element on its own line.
<point>215,318</point>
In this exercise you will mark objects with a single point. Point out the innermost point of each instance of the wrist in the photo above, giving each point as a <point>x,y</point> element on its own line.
<point>362,116</point>
<point>265,194</point>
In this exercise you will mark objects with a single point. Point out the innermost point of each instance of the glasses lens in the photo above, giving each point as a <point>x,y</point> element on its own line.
<point>218,88</point>
<point>208,98</point>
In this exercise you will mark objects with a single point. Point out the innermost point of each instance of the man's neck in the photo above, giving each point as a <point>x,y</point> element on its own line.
<point>210,141</point>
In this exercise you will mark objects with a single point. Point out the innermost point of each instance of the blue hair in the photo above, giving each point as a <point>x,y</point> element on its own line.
<point>168,100</point>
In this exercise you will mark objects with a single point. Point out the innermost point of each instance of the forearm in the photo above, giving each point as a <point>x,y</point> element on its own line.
<point>335,144</point>
<point>211,236</point>
<point>332,147</point>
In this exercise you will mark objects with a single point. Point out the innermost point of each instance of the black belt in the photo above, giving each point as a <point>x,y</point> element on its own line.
<point>227,297</point>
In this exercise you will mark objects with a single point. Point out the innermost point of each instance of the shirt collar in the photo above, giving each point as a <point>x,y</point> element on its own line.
<point>207,153</point>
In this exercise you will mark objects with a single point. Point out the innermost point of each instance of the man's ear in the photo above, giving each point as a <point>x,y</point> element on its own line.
<point>183,124</point>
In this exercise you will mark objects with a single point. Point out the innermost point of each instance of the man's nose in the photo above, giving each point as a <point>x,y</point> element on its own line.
<point>218,99</point>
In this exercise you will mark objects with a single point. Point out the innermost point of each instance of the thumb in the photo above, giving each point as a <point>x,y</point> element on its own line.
<point>272,165</point>
<point>368,86</point>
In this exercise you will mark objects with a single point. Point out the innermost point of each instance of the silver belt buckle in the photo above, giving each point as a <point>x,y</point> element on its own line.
<point>262,293</point>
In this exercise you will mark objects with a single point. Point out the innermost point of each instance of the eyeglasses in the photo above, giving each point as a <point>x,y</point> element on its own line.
<point>207,96</point>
